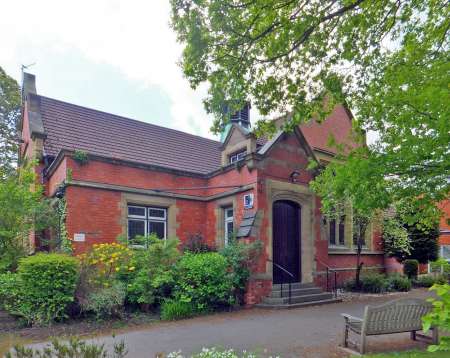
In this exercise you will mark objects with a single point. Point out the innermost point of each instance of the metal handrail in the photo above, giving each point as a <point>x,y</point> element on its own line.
<point>328,270</point>
<point>291,276</point>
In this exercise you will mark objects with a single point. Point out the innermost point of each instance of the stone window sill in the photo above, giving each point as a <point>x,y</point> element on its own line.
<point>346,251</point>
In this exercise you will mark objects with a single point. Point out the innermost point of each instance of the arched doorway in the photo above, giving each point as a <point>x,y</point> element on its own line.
<point>286,240</point>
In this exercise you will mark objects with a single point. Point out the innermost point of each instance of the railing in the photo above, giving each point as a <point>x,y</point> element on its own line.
<point>330,271</point>
<point>291,276</point>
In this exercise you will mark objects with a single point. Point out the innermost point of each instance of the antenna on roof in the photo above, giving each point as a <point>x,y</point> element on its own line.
<point>25,67</point>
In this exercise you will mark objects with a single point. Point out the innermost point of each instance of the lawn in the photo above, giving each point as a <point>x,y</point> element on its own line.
<point>411,354</point>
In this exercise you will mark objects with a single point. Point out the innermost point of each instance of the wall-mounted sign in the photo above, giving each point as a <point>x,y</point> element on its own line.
<point>79,237</point>
<point>248,201</point>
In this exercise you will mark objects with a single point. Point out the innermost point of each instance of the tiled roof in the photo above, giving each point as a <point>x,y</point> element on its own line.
<point>73,127</point>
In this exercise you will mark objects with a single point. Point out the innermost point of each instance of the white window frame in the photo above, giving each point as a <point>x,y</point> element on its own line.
<point>238,156</point>
<point>147,219</point>
<point>227,219</point>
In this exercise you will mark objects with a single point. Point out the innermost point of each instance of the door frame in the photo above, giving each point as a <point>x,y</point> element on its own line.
<point>304,197</point>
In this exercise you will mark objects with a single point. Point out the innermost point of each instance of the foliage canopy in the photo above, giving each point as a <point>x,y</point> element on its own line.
<point>387,60</point>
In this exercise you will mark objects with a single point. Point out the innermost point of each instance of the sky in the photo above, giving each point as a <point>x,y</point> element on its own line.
<point>115,56</point>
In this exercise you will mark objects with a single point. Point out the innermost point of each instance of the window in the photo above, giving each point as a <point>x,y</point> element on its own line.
<point>333,232</point>
<point>445,252</point>
<point>337,231</point>
<point>228,223</point>
<point>342,230</point>
<point>238,156</point>
<point>143,221</point>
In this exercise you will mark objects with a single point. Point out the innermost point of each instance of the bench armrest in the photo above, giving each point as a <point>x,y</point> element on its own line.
<point>349,318</point>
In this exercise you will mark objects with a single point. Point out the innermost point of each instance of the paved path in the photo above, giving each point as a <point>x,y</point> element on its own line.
<point>305,332</point>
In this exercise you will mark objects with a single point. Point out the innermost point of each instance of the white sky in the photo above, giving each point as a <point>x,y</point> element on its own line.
<point>131,37</point>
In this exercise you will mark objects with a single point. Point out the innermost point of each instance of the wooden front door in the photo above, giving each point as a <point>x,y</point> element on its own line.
<point>286,240</point>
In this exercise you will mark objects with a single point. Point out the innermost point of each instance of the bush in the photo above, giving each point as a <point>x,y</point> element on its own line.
<point>411,268</point>
<point>174,309</point>
<point>195,244</point>
<point>425,281</point>
<point>439,316</point>
<point>370,283</point>
<point>105,262</point>
<point>373,283</point>
<point>441,266</point>
<point>240,259</point>
<point>154,278</point>
<point>47,286</point>
<point>204,280</point>
<point>107,301</point>
<point>73,348</point>
<point>398,283</point>
<point>10,292</point>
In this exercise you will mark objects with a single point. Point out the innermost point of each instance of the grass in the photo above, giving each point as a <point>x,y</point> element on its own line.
<point>410,354</point>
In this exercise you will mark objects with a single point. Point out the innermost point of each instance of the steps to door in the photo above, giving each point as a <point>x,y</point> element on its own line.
<point>302,294</point>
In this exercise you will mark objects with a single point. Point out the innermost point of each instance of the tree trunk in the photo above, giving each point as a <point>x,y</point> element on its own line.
<point>359,231</point>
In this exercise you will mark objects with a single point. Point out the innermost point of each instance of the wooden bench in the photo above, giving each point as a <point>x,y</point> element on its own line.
<point>402,315</point>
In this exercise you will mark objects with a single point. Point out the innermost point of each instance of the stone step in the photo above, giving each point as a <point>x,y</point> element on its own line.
<point>297,305</point>
<point>296,292</point>
<point>294,286</point>
<point>297,299</point>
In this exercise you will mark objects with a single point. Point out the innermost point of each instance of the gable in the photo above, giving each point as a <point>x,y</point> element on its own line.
<point>337,125</point>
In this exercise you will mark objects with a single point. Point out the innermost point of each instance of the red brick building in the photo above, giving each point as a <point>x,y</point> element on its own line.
<point>141,178</point>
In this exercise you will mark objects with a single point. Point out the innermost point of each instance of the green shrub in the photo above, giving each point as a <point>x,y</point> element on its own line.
<point>442,267</point>
<point>411,268</point>
<point>153,279</point>
<point>73,348</point>
<point>106,302</point>
<point>47,286</point>
<point>240,259</point>
<point>204,280</point>
<point>425,281</point>
<point>174,309</point>
<point>398,283</point>
<point>373,283</point>
<point>439,317</point>
<point>370,283</point>
<point>10,292</point>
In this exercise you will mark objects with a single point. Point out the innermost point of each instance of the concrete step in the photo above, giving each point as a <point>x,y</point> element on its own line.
<point>297,305</point>
<point>294,286</point>
<point>298,299</point>
<point>296,292</point>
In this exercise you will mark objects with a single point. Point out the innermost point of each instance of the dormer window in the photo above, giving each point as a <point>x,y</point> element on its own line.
<point>238,156</point>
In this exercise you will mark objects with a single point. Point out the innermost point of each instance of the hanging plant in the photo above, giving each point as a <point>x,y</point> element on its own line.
<point>80,156</point>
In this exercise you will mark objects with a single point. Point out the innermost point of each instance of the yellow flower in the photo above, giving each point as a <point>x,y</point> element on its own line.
<point>131,268</point>
<point>117,269</point>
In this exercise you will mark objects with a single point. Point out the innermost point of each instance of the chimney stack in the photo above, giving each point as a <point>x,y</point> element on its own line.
<point>28,85</point>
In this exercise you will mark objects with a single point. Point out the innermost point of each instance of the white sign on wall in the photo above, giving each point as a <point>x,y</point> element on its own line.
<point>248,201</point>
<point>79,237</point>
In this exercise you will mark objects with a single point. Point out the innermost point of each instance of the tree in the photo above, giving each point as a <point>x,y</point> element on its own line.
<point>10,104</point>
<point>387,60</point>
<point>404,241</point>
<point>21,211</point>
<point>424,243</point>
<point>340,189</point>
